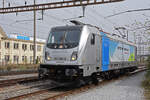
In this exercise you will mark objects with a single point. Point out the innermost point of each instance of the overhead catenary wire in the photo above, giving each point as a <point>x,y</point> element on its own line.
<point>28,20</point>
<point>105,20</point>
<point>43,27</point>
<point>20,28</point>
<point>136,10</point>
<point>66,11</point>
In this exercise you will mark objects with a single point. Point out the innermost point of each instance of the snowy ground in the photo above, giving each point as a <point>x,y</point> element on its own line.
<point>128,88</point>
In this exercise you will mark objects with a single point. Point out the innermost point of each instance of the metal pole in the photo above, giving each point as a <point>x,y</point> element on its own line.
<point>139,46</point>
<point>134,38</point>
<point>34,51</point>
<point>127,35</point>
<point>143,53</point>
<point>3,4</point>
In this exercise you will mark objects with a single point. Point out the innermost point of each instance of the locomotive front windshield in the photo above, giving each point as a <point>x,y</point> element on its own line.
<point>64,38</point>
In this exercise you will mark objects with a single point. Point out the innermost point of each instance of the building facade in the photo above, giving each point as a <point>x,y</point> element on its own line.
<point>18,51</point>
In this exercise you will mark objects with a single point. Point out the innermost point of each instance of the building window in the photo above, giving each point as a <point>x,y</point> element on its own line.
<point>0,44</point>
<point>24,47</point>
<point>31,47</point>
<point>16,59</point>
<point>7,45</point>
<point>31,59</point>
<point>38,59</point>
<point>7,58</point>
<point>16,45</point>
<point>38,48</point>
<point>24,59</point>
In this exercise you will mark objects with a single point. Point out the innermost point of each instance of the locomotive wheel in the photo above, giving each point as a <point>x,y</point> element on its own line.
<point>107,76</point>
<point>40,76</point>
<point>88,80</point>
<point>78,83</point>
<point>94,79</point>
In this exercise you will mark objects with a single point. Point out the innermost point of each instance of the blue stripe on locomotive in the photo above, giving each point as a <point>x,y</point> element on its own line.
<point>105,53</point>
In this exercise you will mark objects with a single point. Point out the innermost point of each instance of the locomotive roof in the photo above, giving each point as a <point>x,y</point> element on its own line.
<point>120,39</point>
<point>112,37</point>
<point>105,33</point>
<point>67,27</point>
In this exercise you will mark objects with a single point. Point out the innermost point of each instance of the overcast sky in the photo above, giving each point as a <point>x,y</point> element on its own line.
<point>95,15</point>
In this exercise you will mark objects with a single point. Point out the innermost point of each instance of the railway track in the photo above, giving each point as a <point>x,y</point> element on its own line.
<point>138,70</point>
<point>53,95</point>
<point>8,73</point>
<point>10,82</point>
<point>24,86</point>
<point>20,97</point>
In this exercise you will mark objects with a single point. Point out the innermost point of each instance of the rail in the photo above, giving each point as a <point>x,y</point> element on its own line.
<point>11,82</point>
<point>57,95</point>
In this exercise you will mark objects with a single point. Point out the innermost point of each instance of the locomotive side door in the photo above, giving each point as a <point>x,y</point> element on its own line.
<point>98,52</point>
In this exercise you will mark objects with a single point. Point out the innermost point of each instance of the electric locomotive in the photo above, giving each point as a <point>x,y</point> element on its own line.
<point>84,52</point>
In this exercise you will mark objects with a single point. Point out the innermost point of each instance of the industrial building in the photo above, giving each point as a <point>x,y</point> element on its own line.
<point>18,49</point>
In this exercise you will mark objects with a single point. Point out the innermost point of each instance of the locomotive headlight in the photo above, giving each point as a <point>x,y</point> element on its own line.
<point>74,56</point>
<point>47,57</point>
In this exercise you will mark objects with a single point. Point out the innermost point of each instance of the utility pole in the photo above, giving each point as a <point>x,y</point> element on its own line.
<point>3,4</point>
<point>139,47</point>
<point>34,51</point>
<point>127,35</point>
<point>134,37</point>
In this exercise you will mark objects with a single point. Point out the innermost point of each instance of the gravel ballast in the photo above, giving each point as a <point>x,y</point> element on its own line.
<point>127,88</point>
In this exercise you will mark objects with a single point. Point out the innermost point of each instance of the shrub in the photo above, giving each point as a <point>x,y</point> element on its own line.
<point>148,62</point>
<point>9,67</point>
<point>146,82</point>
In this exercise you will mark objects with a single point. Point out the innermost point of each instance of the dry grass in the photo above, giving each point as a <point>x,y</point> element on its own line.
<point>146,85</point>
<point>147,95</point>
<point>146,82</point>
